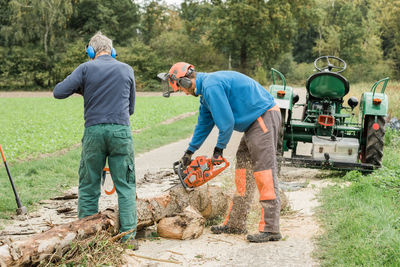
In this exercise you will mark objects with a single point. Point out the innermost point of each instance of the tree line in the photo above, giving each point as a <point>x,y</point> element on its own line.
<point>42,41</point>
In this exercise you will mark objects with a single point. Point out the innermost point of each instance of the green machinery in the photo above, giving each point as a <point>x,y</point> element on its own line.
<point>339,140</point>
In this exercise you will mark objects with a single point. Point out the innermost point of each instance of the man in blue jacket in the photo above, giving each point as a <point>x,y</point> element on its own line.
<point>233,101</point>
<point>108,89</point>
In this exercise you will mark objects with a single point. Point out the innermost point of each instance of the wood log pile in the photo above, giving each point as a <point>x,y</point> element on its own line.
<point>179,214</point>
<point>208,201</point>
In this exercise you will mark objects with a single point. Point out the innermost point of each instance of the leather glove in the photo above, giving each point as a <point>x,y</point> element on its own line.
<point>217,156</point>
<point>186,159</point>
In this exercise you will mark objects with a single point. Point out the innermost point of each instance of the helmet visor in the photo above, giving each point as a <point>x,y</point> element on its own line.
<point>165,87</point>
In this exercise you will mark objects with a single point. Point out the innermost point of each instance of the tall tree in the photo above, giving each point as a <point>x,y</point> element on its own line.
<point>154,20</point>
<point>37,21</point>
<point>117,19</point>
<point>349,30</point>
<point>252,31</point>
<point>389,20</point>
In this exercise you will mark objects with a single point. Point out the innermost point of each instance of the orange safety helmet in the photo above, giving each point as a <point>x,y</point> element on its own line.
<point>178,75</point>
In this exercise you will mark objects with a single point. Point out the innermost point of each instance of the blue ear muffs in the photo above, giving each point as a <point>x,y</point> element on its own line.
<point>91,53</point>
<point>113,52</point>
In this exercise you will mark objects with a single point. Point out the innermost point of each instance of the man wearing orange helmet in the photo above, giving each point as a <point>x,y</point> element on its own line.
<point>233,101</point>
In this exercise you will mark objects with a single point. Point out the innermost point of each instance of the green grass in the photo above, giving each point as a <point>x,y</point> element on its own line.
<point>41,179</point>
<point>32,126</point>
<point>362,221</point>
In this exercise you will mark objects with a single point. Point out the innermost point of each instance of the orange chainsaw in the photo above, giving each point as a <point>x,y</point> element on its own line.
<point>200,171</point>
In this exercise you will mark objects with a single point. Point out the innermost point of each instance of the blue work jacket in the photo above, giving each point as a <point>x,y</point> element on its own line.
<point>231,101</point>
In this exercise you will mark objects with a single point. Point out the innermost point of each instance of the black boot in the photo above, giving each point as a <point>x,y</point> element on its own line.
<point>219,229</point>
<point>264,237</point>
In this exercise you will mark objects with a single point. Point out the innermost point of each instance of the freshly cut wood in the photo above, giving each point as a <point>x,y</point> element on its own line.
<point>210,201</point>
<point>187,225</point>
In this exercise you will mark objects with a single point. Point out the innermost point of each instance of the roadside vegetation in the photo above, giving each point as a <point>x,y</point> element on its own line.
<point>43,42</point>
<point>42,178</point>
<point>361,221</point>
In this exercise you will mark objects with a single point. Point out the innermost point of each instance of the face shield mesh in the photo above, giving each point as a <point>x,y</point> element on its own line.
<point>165,86</point>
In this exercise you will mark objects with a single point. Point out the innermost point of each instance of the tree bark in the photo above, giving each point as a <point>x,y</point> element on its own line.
<point>210,201</point>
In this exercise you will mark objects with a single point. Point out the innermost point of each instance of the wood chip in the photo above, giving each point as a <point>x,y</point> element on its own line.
<point>64,210</point>
<point>153,259</point>
<point>66,197</point>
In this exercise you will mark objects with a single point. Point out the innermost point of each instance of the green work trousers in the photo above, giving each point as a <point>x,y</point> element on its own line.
<point>113,142</point>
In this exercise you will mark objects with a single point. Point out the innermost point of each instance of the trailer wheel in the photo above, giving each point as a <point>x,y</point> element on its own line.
<point>375,140</point>
<point>279,147</point>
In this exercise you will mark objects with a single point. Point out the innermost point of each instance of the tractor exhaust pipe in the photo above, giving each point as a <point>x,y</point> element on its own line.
<point>21,209</point>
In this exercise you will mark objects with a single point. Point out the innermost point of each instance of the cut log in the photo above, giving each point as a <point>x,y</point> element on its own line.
<point>208,200</point>
<point>56,240</point>
<point>187,225</point>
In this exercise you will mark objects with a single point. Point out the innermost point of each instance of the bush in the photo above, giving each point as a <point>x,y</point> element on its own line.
<point>369,72</point>
<point>260,75</point>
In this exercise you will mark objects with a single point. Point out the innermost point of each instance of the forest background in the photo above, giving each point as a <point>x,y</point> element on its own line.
<point>43,41</point>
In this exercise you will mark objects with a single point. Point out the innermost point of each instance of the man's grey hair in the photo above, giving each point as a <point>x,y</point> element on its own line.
<point>101,43</point>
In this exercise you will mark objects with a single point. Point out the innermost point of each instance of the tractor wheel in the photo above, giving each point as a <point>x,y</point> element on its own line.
<point>279,148</point>
<point>375,140</point>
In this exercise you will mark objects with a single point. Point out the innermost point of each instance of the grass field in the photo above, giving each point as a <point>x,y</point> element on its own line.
<point>362,221</point>
<point>43,178</point>
<point>32,126</point>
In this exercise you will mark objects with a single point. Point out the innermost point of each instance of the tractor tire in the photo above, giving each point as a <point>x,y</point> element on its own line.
<point>375,140</point>
<point>279,147</point>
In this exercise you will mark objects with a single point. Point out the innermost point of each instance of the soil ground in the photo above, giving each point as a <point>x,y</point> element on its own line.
<point>298,227</point>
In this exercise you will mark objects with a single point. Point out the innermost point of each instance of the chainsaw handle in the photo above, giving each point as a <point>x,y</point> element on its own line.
<point>218,161</point>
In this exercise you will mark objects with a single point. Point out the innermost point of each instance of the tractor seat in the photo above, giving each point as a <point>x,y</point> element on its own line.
<point>327,85</point>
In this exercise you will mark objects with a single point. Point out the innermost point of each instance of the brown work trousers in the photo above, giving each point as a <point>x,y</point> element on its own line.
<point>256,165</point>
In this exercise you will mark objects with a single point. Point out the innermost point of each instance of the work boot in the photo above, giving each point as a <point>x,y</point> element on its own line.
<point>264,237</point>
<point>131,244</point>
<point>219,229</point>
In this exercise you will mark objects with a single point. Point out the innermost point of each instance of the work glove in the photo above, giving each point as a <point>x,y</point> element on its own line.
<point>186,159</point>
<point>217,156</point>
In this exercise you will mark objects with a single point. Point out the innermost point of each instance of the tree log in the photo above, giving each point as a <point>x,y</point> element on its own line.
<point>187,225</point>
<point>208,200</point>
<point>56,240</point>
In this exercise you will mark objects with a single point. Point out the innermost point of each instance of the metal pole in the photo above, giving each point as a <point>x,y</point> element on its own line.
<point>21,209</point>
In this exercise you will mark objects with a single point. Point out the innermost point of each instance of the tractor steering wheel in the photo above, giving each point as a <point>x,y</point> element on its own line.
<point>330,66</point>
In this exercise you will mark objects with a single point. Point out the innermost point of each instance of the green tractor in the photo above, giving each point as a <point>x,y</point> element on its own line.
<point>338,139</point>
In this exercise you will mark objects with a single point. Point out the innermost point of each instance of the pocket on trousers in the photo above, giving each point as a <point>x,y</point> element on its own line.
<point>122,134</point>
<point>130,174</point>
<point>82,170</point>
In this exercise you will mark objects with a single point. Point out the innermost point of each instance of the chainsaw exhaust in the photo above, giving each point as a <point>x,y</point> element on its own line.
<point>21,209</point>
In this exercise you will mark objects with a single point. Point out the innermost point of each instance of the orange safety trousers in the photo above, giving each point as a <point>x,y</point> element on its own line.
<point>256,167</point>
